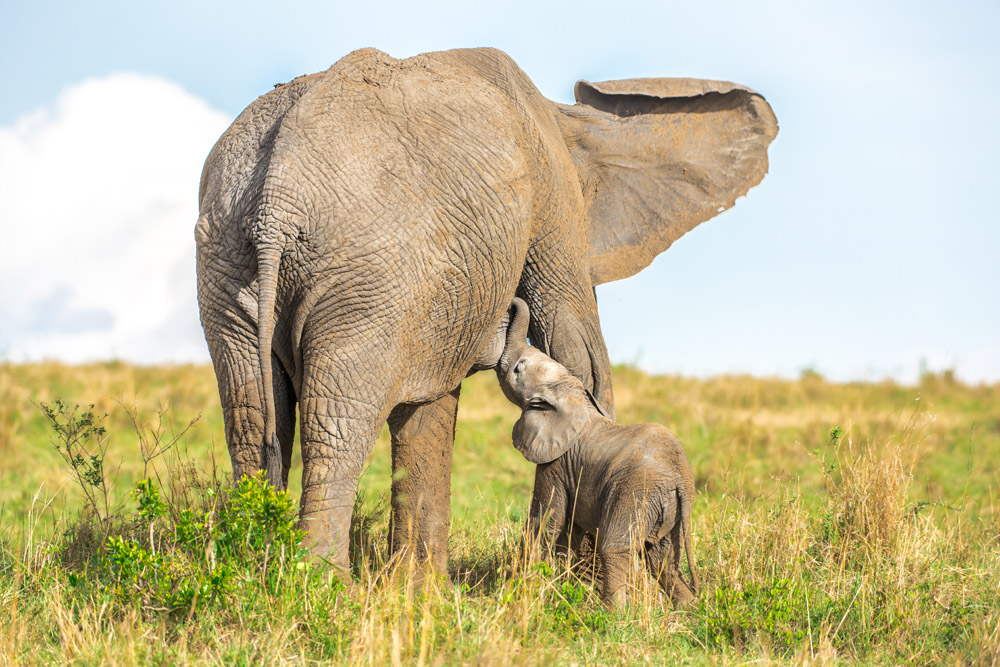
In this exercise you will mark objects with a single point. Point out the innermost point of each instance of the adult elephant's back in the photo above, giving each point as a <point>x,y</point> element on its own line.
<point>403,216</point>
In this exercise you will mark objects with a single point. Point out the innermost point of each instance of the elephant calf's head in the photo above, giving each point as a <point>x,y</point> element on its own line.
<point>555,406</point>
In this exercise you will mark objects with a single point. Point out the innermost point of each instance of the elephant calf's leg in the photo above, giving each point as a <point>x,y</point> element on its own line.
<point>422,440</point>
<point>675,588</point>
<point>665,566</point>
<point>614,575</point>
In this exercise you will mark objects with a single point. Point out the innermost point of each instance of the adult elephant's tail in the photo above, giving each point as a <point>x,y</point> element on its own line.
<point>268,262</point>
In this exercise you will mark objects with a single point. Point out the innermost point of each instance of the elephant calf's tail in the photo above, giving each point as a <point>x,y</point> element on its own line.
<point>684,507</point>
<point>268,262</point>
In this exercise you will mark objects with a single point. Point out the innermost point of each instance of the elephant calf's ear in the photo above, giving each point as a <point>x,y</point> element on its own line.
<point>657,157</point>
<point>553,420</point>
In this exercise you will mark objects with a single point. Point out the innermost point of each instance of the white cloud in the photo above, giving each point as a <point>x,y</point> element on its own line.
<point>98,201</point>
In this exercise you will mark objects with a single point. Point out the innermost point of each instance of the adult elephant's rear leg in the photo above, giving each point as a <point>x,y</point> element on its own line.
<point>284,414</point>
<point>341,414</point>
<point>422,441</point>
<point>240,393</point>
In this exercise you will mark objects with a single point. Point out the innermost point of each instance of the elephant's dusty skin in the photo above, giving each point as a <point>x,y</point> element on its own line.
<point>363,230</point>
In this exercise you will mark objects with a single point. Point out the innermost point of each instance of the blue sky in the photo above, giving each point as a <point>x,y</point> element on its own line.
<point>869,249</point>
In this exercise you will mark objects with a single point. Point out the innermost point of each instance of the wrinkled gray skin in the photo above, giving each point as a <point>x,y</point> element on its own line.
<point>363,231</point>
<point>630,485</point>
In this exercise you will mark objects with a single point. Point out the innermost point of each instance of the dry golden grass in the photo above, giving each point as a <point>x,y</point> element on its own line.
<point>878,543</point>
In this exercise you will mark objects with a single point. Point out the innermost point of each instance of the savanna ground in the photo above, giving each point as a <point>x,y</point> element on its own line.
<point>833,523</point>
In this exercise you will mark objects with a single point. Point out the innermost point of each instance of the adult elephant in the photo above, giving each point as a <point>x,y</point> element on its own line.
<point>363,231</point>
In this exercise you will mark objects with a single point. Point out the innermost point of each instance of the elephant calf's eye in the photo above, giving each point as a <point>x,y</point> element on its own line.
<point>539,404</point>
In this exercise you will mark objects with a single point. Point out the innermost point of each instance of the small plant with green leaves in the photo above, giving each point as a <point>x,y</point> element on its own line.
<point>199,558</point>
<point>82,440</point>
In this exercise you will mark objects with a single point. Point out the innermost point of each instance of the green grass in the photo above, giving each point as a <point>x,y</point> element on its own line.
<point>834,523</point>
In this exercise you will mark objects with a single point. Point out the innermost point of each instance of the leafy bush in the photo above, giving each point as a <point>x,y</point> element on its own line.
<point>189,558</point>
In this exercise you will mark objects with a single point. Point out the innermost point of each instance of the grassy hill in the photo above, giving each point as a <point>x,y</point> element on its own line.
<point>834,521</point>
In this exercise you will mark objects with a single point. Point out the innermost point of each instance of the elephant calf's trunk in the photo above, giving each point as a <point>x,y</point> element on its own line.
<point>517,334</point>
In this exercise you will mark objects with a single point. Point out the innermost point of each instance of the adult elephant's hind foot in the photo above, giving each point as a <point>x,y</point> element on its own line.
<point>328,532</point>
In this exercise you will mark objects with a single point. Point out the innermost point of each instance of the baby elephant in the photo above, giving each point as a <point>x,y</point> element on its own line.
<point>631,486</point>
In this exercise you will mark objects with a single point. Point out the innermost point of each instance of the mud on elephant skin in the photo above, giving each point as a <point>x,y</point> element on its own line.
<point>363,230</point>
<point>629,485</point>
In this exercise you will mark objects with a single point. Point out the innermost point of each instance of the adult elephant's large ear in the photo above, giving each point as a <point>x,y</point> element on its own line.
<point>657,157</point>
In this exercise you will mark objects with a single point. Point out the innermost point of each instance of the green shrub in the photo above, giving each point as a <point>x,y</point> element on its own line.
<point>188,558</point>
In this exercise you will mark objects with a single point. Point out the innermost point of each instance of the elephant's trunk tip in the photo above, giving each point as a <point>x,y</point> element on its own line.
<point>517,332</point>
